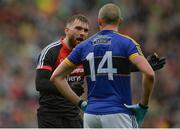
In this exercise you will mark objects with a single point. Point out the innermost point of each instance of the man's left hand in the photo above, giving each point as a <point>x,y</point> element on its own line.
<point>139,110</point>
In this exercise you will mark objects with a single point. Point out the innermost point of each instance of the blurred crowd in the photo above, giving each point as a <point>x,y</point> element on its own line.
<point>26,26</point>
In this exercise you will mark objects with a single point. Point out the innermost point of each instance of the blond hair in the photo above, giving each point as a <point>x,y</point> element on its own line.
<point>110,13</point>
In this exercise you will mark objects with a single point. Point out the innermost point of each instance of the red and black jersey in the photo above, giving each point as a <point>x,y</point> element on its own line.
<point>51,101</point>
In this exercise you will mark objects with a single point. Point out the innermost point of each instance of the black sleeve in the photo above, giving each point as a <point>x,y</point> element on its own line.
<point>43,83</point>
<point>45,67</point>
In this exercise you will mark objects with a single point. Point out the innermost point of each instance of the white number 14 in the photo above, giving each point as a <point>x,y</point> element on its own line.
<point>106,58</point>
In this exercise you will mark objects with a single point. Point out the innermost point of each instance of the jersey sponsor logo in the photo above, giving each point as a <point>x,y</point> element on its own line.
<point>74,78</point>
<point>76,75</point>
<point>102,39</point>
<point>77,71</point>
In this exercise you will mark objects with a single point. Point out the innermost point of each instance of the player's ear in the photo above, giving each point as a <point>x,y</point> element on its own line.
<point>120,21</point>
<point>66,30</point>
<point>100,22</point>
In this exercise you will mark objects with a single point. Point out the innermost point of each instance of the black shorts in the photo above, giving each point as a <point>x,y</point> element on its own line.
<point>54,121</point>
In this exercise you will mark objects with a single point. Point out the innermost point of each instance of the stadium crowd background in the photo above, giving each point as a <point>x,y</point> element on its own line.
<point>26,26</point>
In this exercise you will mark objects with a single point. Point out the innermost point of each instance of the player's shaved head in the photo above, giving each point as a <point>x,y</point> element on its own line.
<point>110,13</point>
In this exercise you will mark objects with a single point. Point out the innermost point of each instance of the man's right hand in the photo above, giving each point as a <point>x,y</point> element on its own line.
<point>77,88</point>
<point>156,62</point>
<point>82,105</point>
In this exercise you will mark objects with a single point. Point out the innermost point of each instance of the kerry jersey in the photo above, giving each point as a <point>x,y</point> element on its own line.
<point>106,60</point>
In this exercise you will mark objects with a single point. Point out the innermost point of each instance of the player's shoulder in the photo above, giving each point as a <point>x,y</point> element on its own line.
<point>53,45</point>
<point>126,38</point>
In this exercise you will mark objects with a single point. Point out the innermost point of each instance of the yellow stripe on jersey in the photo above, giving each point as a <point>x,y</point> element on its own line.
<point>137,44</point>
<point>133,56</point>
<point>67,61</point>
<point>130,39</point>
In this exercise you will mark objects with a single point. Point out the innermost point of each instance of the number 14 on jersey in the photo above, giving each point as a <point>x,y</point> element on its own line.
<point>106,58</point>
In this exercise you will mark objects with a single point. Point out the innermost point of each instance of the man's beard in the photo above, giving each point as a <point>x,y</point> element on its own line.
<point>75,41</point>
<point>72,42</point>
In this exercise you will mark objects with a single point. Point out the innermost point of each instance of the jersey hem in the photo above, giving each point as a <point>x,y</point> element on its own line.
<point>107,113</point>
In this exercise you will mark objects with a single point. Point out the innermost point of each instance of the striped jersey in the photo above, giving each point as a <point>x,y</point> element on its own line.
<point>106,60</point>
<point>53,102</point>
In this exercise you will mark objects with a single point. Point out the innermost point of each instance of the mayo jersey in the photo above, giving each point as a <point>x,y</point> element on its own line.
<point>50,100</point>
<point>106,60</point>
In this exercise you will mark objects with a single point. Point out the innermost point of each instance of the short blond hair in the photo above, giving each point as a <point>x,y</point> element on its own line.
<point>110,13</point>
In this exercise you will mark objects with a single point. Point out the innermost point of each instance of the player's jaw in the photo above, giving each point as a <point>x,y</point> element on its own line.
<point>79,39</point>
<point>75,40</point>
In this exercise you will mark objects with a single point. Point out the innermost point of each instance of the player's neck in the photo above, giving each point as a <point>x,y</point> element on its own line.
<point>109,27</point>
<point>66,42</point>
